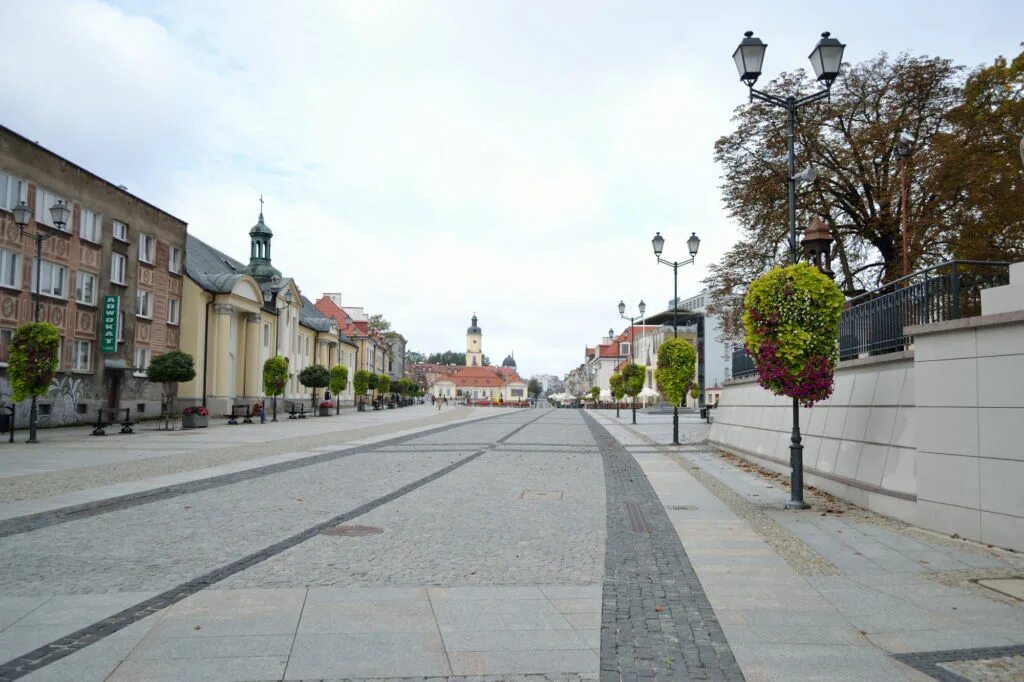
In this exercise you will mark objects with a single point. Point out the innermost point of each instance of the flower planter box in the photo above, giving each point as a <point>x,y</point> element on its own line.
<point>325,411</point>
<point>194,421</point>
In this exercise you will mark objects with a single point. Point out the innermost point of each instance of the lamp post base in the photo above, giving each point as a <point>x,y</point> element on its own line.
<point>675,425</point>
<point>797,504</point>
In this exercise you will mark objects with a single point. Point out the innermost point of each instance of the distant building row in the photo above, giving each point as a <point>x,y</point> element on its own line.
<point>126,264</point>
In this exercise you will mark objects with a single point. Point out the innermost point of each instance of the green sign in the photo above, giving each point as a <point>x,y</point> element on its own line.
<point>108,329</point>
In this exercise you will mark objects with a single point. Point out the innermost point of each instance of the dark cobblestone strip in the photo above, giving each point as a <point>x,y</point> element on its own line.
<point>69,644</point>
<point>656,621</point>
<point>927,661</point>
<point>31,522</point>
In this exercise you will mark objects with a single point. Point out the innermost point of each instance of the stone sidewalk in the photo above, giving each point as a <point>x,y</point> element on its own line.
<point>834,592</point>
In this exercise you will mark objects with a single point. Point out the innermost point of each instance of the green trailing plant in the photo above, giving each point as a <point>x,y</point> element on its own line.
<point>791,319</point>
<point>170,369</point>
<point>616,386</point>
<point>633,379</point>
<point>677,362</point>
<point>315,376</point>
<point>33,359</point>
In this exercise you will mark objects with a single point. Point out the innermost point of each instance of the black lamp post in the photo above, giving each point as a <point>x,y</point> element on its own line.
<point>618,361</point>
<point>632,340</point>
<point>826,58</point>
<point>693,243</point>
<point>60,213</point>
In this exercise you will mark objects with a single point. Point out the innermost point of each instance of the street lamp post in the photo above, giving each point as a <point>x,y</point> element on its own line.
<point>642,307</point>
<point>693,243</point>
<point>60,212</point>
<point>826,59</point>
<point>618,361</point>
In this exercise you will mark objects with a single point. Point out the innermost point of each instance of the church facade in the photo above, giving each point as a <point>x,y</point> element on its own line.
<point>476,381</point>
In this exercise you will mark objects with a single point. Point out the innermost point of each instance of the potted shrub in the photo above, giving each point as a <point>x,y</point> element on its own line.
<point>325,408</point>
<point>197,417</point>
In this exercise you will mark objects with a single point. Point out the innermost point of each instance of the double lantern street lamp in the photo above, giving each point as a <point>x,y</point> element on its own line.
<point>632,339</point>
<point>618,361</point>
<point>60,213</point>
<point>826,58</point>
<point>693,243</point>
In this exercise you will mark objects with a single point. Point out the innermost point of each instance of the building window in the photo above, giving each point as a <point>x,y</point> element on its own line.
<point>147,248</point>
<point>120,325</point>
<point>624,348</point>
<point>141,359</point>
<point>91,227</point>
<point>266,336</point>
<point>53,280</point>
<point>118,268</point>
<point>12,190</point>
<point>85,288</point>
<point>45,199</point>
<point>144,304</point>
<point>120,231</point>
<point>6,336</point>
<point>173,311</point>
<point>174,260</point>
<point>81,356</point>
<point>10,269</point>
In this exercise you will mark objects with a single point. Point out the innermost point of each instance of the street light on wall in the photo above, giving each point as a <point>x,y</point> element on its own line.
<point>826,59</point>
<point>60,214</point>
<point>693,244</point>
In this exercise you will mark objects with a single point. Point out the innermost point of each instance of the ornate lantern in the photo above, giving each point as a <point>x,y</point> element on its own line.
<point>817,245</point>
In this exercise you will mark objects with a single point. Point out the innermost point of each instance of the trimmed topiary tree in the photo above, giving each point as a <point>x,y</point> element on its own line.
<point>616,387</point>
<point>275,378</point>
<point>339,382</point>
<point>791,319</point>
<point>633,382</point>
<point>677,362</point>
<point>32,363</point>
<point>361,384</point>
<point>383,384</point>
<point>170,369</point>
<point>595,393</point>
<point>314,377</point>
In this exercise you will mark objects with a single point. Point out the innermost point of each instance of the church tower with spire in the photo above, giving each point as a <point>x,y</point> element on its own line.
<point>474,341</point>
<point>259,251</point>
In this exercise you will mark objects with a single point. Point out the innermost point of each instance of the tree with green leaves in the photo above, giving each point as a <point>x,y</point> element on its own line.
<point>361,384</point>
<point>383,384</point>
<point>633,376</point>
<point>595,393</point>
<point>170,369</point>
<point>694,391</point>
<point>314,377</point>
<point>534,388</point>
<point>677,367</point>
<point>450,357</point>
<point>275,378</point>
<point>618,389</point>
<point>32,364</point>
<point>339,382</point>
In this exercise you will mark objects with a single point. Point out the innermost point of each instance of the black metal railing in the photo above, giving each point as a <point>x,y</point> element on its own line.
<point>873,323</point>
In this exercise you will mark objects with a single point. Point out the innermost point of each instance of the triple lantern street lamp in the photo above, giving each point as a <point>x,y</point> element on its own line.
<point>60,213</point>
<point>826,59</point>
<point>693,243</point>
<point>642,307</point>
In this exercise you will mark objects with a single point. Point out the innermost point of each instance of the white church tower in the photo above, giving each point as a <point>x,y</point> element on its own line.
<point>474,340</point>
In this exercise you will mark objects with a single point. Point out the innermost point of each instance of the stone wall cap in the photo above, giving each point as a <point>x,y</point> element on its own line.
<point>965,323</point>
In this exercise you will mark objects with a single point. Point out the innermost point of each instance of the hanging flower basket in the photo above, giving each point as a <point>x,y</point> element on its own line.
<point>791,319</point>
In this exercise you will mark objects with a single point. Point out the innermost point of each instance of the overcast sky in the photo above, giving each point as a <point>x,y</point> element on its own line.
<point>434,159</point>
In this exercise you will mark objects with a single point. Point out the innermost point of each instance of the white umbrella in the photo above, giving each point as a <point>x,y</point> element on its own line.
<point>606,394</point>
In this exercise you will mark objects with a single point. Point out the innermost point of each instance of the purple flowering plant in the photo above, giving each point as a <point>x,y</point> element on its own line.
<point>791,319</point>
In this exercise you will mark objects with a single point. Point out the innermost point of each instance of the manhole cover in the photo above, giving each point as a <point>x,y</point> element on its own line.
<point>542,494</point>
<point>351,531</point>
<point>1013,587</point>
<point>680,507</point>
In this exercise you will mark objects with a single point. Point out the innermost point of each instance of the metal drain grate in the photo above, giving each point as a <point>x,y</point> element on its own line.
<point>542,495</point>
<point>637,520</point>
<point>680,507</point>
<point>1011,587</point>
<point>351,531</point>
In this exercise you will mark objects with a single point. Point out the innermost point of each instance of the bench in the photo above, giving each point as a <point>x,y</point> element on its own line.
<point>112,415</point>
<point>296,409</point>
<point>240,411</point>
<point>7,422</point>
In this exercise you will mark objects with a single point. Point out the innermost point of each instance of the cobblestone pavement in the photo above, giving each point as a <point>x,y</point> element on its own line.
<point>459,507</point>
<point>656,620</point>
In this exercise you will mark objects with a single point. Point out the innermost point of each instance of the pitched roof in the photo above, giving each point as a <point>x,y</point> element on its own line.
<point>311,317</point>
<point>211,269</point>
